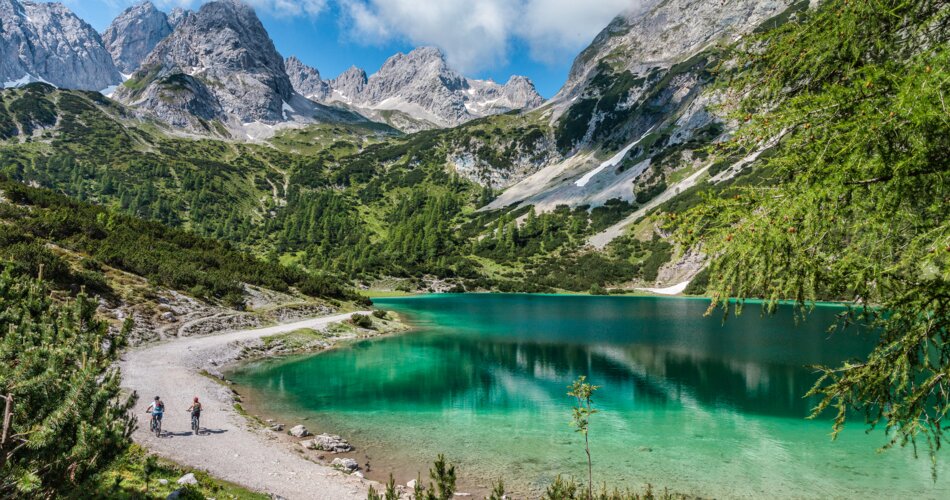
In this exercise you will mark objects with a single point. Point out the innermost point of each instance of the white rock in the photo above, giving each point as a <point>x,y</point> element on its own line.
<point>411,484</point>
<point>299,431</point>
<point>187,479</point>
<point>163,482</point>
<point>345,464</point>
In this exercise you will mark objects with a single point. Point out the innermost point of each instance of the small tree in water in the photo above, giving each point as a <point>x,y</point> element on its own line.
<point>582,392</point>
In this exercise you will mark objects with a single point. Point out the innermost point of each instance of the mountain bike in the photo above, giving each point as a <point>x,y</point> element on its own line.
<point>156,425</point>
<point>194,422</point>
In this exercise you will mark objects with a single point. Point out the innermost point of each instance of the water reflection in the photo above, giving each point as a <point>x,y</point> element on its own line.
<point>642,362</point>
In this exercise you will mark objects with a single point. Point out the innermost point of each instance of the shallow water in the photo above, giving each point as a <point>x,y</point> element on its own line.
<point>687,402</point>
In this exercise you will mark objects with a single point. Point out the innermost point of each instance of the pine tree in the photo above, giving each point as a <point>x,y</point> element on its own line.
<point>854,95</point>
<point>68,419</point>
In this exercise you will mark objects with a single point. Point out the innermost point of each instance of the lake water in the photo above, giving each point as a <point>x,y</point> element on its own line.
<point>686,402</point>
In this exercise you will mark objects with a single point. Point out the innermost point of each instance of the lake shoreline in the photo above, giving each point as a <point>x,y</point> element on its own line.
<point>483,380</point>
<point>230,446</point>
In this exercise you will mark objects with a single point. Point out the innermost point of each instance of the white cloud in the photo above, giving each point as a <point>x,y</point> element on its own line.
<point>476,34</point>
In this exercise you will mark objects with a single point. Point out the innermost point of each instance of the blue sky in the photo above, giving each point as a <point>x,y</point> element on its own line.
<point>481,38</point>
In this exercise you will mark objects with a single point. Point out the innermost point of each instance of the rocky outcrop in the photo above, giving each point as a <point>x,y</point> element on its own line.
<point>134,33</point>
<point>418,90</point>
<point>661,33</point>
<point>349,85</point>
<point>177,15</point>
<point>306,80</point>
<point>46,42</point>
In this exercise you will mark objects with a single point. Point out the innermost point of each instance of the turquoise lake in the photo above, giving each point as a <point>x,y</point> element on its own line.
<point>687,402</point>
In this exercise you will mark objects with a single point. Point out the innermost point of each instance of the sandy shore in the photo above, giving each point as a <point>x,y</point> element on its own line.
<point>228,447</point>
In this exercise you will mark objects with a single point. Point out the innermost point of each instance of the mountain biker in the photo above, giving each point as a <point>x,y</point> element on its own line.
<point>195,410</point>
<point>157,409</point>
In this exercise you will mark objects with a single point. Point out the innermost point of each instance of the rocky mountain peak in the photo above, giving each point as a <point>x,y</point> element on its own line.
<point>349,85</point>
<point>661,33</point>
<point>46,41</point>
<point>225,59</point>
<point>425,92</point>
<point>134,33</point>
<point>176,15</point>
<point>306,79</point>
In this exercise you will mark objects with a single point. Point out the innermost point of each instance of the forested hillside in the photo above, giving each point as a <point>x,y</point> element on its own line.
<point>332,198</point>
<point>38,228</point>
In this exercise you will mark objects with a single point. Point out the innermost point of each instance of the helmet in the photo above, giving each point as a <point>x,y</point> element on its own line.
<point>157,398</point>
<point>196,399</point>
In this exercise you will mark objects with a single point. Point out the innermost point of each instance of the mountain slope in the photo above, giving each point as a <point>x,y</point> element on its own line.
<point>134,33</point>
<point>46,42</point>
<point>634,112</point>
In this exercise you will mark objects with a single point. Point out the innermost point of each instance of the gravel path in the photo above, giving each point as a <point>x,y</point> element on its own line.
<point>227,447</point>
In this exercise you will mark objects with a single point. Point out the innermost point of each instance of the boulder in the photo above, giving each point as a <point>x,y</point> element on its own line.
<point>345,464</point>
<point>411,484</point>
<point>327,442</point>
<point>187,479</point>
<point>163,482</point>
<point>299,431</point>
<point>277,427</point>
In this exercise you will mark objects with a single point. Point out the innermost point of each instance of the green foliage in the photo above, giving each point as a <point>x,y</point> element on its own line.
<point>443,477</point>
<point>135,474</point>
<point>178,259</point>
<point>57,362</point>
<point>361,320</point>
<point>497,491</point>
<point>582,392</point>
<point>562,489</point>
<point>379,313</point>
<point>857,208</point>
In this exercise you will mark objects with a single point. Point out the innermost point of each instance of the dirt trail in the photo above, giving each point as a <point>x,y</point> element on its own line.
<point>229,449</point>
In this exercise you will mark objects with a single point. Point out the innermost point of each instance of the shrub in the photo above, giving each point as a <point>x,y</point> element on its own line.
<point>361,320</point>
<point>379,313</point>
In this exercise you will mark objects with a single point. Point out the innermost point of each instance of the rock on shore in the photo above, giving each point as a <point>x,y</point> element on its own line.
<point>327,442</point>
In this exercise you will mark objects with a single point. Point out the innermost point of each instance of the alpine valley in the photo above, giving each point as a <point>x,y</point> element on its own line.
<point>176,176</point>
<point>215,132</point>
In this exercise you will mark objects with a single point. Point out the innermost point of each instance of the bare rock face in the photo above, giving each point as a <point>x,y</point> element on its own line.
<point>306,80</point>
<point>46,42</point>
<point>218,64</point>
<point>348,86</point>
<point>416,91</point>
<point>134,33</point>
<point>177,15</point>
<point>660,33</point>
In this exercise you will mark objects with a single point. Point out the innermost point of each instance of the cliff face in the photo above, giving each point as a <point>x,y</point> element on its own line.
<point>134,33</point>
<point>221,62</point>
<point>46,42</point>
